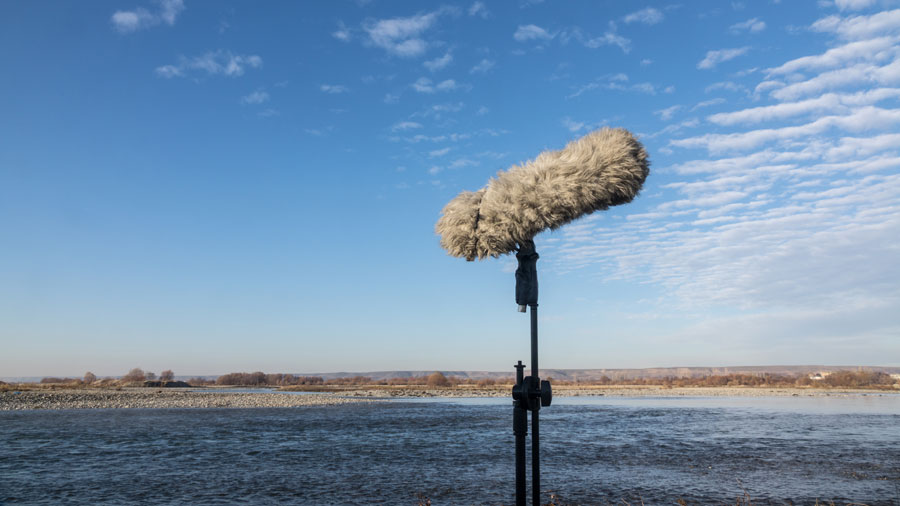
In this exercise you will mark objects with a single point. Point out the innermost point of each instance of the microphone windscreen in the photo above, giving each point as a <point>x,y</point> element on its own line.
<point>604,168</point>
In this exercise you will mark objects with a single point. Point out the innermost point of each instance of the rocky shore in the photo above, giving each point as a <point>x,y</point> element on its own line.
<point>159,398</point>
<point>223,398</point>
<point>620,391</point>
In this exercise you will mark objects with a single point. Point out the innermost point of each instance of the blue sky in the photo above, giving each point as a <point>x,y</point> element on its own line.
<point>222,186</point>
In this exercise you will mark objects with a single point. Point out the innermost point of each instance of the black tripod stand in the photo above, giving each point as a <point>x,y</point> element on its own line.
<point>529,393</point>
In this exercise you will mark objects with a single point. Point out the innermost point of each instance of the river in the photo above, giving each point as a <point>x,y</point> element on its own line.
<point>460,451</point>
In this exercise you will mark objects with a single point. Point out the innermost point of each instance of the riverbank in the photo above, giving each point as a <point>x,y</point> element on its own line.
<point>611,391</point>
<point>160,399</point>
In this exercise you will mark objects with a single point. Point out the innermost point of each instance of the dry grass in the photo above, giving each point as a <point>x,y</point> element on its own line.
<point>21,387</point>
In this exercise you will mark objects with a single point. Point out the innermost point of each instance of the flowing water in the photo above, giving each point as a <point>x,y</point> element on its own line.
<point>594,451</point>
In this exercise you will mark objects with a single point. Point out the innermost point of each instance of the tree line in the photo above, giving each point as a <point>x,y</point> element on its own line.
<point>136,375</point>
<point>836,379</point>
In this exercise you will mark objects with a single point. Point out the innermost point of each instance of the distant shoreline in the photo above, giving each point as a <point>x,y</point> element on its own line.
<point>153,398</point>
<point>615,391</point>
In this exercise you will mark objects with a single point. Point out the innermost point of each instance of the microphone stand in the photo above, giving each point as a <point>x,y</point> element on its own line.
<point>529,393</point>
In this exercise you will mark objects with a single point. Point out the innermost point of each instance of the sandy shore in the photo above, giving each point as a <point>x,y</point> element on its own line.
<point>159,398</point>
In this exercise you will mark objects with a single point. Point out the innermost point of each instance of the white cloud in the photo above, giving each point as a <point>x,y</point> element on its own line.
<point>402,36</point>
<point>342,33</point>
<point>439,63</point>
<point>406,125</point>
<point>829,103</point>
<point>853,5</point>
<point>644,88</point>
<point>617,82</point>
<point>131,21</point>
<point>482,67</point>
<point>212,63</point>
<point>671,129</point>
<point>864,147</point>
<point>169,10</point>
<point>766,86</point>
<point>648,16</point>
<point>425,85</point>
<point>463,162</point>
<point>446,85</point>
<point>438,152</point>
<point>482,111</point>
<point>452,137</point>
<point>141,18</point>
<point>727,242</point>
<point>753,25</point>
<point>479,9</point>
<point>333,88</point>
<point>438,110</point>
<point>609,38</point>
<point>169,71</point>
<point>725,85</point>
<point>572,125</point>
<point>525,33</point>
<point>855,75</point>
<point>708,103</point>
<point>257,97</point>
<point>871,50</point>
<point>860,27</point>
<point>861,119</point>
<point>718,56</point>
<point>667,113</point>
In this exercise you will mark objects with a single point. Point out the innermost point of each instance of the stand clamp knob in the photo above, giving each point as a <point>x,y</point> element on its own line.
<point>546,393</point>
<point>533,393</point>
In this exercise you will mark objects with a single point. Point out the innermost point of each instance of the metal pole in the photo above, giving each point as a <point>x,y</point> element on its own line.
<point>530,393</point>
<point>534,344</point>
<point>535,414</point>
<point>520,429</point>
<point>535,459</point>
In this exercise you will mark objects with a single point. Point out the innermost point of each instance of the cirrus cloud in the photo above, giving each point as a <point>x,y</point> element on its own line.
<point>212,63</point>
<point>718,56</point>
<point>525,33</point>
<point>648,16</point>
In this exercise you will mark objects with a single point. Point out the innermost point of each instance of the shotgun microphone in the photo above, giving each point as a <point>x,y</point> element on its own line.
<point>604,168</point>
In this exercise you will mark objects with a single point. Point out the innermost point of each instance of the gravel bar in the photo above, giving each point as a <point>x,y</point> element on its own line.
<point>130,398</point>
<point>156,399</point>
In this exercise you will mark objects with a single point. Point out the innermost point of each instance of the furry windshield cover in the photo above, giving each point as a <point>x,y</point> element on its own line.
<point>604,168</point>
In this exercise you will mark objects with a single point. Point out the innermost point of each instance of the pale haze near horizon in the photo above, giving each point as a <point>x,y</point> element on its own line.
<point>224,187</point>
